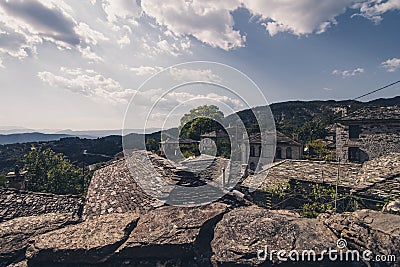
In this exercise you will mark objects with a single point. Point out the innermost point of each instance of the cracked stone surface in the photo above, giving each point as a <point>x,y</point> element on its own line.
<point>172,232</point>
<point>367,229</point>
<point>15,234</point>
<point>393,207</point>
<point>92,241</point>
<point>244,231</point>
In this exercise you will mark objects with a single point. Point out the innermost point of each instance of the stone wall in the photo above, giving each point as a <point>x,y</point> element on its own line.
<point>17,203</point>
<point>376,139</point>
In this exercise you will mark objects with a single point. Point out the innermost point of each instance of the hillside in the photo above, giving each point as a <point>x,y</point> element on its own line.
<point>290,117</point>
<point>77,150</point>
<point>29,137</point>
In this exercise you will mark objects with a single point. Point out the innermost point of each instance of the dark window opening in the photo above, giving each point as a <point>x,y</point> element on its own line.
<point>278,153</point>
<point>354,154</point>
<point>252,166</point>
<point>252,151</point>
<point>354,131</point>
<point>288,153</point>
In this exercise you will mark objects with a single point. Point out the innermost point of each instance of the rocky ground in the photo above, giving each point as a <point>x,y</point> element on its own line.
<point>213,235</point>
<point>122,226</point>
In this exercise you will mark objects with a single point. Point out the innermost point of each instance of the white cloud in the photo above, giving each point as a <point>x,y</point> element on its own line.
<point>391,65</point>
<point>172,99</point>
<point>88,83</point>
<point>90,55</point>
<point>88,35</point>
<point>208,21</point>
<point>374,9</point>
<point>124,41</point>
<point>146,70</point>
<point>297,17</point>
<point>1,64</point>
<point>24,25</point>
<point>182,74</point>
<point>348,73</point>
<point>125,11</point>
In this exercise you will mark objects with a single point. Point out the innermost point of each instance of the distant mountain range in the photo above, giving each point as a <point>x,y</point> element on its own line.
<point>29,137</point>
<point>296,113</point>
<point>292,113</point>
<point>13,135</point>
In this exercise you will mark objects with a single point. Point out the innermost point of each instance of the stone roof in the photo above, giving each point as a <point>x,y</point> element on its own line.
<point>17,203</point>
<point>378,178</point>
<point>373,114</point>
<point>306,170</point>
<point>113,189</point>
<point>387,189</point>
<point>280,139</point>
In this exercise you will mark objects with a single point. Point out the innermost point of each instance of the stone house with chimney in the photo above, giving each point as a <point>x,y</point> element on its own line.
<point>368,133</point>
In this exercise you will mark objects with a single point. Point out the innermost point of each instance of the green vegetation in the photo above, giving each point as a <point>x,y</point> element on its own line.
<point>50,172</point>
<point>206,111</point>
<point>100,149</point>
<point>201,120</point>
<point>310,199</point>
<point>317,149</point>
<point>3,180</point>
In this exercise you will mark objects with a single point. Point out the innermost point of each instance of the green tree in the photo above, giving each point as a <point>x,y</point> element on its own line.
<point>317,149</point>
<point>200,120</point>
<point>49,172</point>
<point>312,130</point>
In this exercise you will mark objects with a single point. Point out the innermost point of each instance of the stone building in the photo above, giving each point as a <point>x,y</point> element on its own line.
<point>286,148</point>
<point>368,133</point>
<point>171,146</point>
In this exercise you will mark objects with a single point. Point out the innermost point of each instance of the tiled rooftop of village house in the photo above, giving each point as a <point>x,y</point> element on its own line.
<point>113,189</point>
<point>378,177</point>
<point>16,203</point>
<point>374,113</point>
<point>305,170</point>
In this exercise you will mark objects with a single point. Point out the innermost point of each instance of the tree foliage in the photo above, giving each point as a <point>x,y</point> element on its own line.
<point>201,120</point>
<point>49,172</point>
<point>317,149</point>
<point>206,111</point>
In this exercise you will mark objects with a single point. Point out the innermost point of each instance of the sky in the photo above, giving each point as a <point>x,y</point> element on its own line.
<point>77,64</point>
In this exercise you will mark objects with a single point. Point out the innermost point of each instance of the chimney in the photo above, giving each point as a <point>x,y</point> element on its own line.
<point>16,179</point>
<point>295,137</point>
